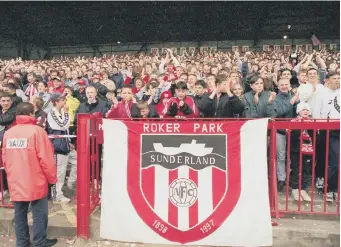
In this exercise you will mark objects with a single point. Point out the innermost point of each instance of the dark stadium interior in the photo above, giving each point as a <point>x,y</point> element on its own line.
<point>73,23</point>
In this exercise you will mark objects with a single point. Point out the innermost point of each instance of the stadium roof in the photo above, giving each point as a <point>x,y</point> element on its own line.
<point>49,24</point>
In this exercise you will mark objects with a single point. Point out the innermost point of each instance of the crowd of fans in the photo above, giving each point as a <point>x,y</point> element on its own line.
<point>274,84</point>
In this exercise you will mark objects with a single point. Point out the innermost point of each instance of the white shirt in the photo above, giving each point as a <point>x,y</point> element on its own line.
<point>315,101</point>
<point>330,103</point>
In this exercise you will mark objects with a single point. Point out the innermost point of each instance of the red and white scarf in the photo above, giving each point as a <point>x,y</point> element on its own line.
<point>31,91</point>
<point>307,144</point>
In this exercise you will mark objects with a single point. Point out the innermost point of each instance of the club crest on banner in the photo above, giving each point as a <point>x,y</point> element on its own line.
<point>170,191</point>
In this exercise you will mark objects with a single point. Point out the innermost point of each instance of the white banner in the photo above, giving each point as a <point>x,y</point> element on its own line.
<point>187,182</point>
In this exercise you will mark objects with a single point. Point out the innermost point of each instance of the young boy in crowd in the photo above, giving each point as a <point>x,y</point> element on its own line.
<point>181,106</point>
<point>161,106</point>
<point>306,150</point>
<point>123,108</point>
<point>143,110</point>
<point>201,98</point>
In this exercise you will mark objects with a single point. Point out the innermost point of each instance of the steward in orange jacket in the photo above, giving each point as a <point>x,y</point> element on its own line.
<point>28,160</point>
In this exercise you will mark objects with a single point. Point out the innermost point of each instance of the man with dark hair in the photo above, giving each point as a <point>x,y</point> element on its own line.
<point>181,106</point>
<point>218,98</point>
<point>27,151</point>
<point>7,118</point>
<point>11,89</point>
<point>201,98</point>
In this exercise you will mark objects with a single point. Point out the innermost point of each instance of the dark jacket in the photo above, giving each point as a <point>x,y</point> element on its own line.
<point>16,99</point>
<point>6,120</point>
<point>283,107</point>
<point>81,96</point>
<point>101,89</point>
<point>98,106</point>
<point>86,108</point>
<point>118,79</point>
<point>8,117</point>
<point>295,141</point>
<point>217,106</point>
<point>204,105</point>
<point>235,108</point>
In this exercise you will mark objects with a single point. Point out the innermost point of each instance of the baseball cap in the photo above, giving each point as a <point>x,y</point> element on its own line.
<point>55,97</point>
<point>166,95</point>
<point>81,82</point>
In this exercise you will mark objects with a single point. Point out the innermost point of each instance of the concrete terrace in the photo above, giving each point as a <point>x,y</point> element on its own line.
<point>293,230</point>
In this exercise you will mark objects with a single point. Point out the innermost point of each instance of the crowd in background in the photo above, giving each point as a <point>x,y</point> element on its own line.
<point>275,84</point>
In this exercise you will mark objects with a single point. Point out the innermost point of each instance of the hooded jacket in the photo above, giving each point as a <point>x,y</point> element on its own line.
<point>27,152</point>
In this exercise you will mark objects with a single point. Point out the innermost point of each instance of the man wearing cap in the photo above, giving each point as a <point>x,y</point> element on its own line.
<point>160,107</point>
<point>79,90</point>
<point>58,85</point>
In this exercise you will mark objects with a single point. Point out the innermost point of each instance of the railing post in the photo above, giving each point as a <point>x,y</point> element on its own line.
<point>83,176</point>
<point>273,194</point>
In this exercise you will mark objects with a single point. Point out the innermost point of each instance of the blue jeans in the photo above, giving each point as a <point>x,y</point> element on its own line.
<point>40,219</point>
<point>333,163</point>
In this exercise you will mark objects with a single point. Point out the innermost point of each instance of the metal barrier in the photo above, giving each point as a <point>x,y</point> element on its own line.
<point>323,132</point>
<point>90,137</point>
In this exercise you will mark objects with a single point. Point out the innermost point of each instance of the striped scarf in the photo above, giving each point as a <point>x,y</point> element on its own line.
<point>307,144</point>
<point>31,91</point>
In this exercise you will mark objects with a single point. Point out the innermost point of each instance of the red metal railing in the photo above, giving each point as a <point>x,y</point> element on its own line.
<point>316,206</point>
